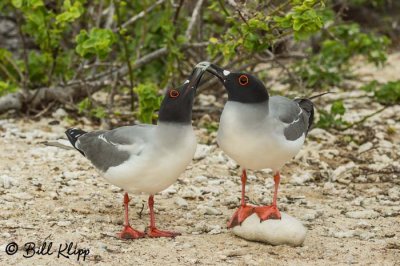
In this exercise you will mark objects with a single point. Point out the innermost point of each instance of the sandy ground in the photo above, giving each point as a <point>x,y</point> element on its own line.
<point>343,186</point>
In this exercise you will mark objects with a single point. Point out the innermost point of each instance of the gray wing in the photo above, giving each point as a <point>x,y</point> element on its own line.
<point>289,112</point>
<point>106,149</point>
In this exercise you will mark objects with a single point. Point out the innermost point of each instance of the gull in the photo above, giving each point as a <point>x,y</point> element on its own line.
<point>145,158</point>
<point>259,132</point>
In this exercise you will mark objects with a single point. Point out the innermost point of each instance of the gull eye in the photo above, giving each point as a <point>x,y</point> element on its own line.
<point>243,80</point>
<point>173,93</point>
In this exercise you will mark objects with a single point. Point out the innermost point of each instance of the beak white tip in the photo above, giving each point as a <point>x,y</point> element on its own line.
<point>203,65</point>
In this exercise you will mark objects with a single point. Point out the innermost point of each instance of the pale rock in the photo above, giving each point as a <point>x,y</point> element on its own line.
<point>330,153</point>
<point>365,147</point>
<point>382,159</point>
<point>218,158</point>
<point>191,192</point>
<point>380,135</point>
<point>202,151</point>
<point>301,179</point>
<point>209,210</point>
<point>7,181</point>
<point>322,134</point>
<point>64,223</point>
<point>22,196</point>
<point>251,177</point>
<point>71,175</point>
<point>329,186</point>
<point>231,164</point>
<point>6,235</point>
<point>365,214</point>
<point>187,245</point>
<point>343,234</point>
<point>182,203</point>
<point>215,182</point>
<point>365,235</point>
<point>115,189</point>
<point>306,153</point>
<point>216,229</point>
<point>341,170</point>
<point>377,166</point>
<point>3,248</point>
<point>287,231</point>
<point>384,144</point>
<point>394,193</point>
<point>206,99</point>
<point>200,179</point>
<point>59,114</point>
<point>363,225</point>
<point>169,191</point>
<point>311,215</point>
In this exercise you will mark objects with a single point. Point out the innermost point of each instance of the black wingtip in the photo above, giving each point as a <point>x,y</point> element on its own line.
<point>73,135</point>
<point>307,106</point>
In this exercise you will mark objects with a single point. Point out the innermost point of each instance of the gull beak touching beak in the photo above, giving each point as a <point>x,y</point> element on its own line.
<point>196,75</point>
<point>215,70</point>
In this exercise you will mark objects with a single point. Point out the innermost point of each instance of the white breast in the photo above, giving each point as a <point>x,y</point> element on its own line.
<point>253,139</point>
<point>160,164</point>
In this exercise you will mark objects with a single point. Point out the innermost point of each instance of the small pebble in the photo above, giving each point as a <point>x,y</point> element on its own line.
<point>182,203</point>
<point>64,223</point>
<point>365,214</point>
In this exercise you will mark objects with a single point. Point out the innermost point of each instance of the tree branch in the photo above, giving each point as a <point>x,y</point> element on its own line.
<point>73,90</point>
<point>142,13</point>
<point>194,20</point>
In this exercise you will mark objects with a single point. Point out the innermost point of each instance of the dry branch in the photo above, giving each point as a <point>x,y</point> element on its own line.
<point>142,13</point>
<point>73,90</point>
<point>194,19</point>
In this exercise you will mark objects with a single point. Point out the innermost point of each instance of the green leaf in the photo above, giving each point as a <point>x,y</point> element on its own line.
<point>97,43</point>
<point>338,108</point>
<point>71,13</point>
<point>389,93</point>
<point>149,101</point>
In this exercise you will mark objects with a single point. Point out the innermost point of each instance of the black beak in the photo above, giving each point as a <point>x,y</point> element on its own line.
<point>197,73</point>
<point>193,81</point>
<point>216,71</point>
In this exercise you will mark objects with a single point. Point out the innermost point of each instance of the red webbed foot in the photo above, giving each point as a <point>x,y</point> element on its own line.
<point>240,215</point>
<point>267,212</point>
<point>154,232</point>
<point>129,233</point>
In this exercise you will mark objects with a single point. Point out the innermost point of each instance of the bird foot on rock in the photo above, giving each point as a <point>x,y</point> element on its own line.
<point>129,233</point>
<point>154,232</point>
<point>267,212</point>
<point>240,215</point>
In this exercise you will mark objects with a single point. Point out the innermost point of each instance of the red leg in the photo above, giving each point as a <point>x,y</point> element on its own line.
<point>128,232</point>
<point>244,210</point>
<point>270,212</point>
<point>153,231</point>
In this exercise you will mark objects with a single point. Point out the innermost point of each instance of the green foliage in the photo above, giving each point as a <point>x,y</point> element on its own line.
<point>64,40</point>
<point>39,63</point>
<point>333,118</point>
<point>71,12</point>
<point>387,94</point>
<point>8,67</point>
<point>86,106</point>
<point>333,62</point>
<point>263,31</point>
<point>149,101</point>
<point>303,19</point>
<point>96,42</point>
<point>7,87</point>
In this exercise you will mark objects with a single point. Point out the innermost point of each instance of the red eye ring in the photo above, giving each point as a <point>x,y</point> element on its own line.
<point>173,93</point>
<point>243,80</point>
